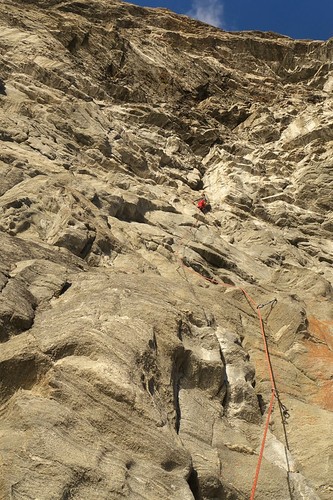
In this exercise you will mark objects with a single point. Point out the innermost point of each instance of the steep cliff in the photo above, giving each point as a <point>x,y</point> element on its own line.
<point>133,360</point>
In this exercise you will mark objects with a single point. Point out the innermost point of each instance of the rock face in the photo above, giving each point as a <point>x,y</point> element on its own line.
<point>132,360</point>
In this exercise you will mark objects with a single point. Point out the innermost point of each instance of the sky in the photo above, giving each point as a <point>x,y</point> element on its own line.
<point>302,19</point>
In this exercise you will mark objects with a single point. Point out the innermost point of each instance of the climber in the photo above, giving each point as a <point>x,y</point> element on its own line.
<point>203,204</point>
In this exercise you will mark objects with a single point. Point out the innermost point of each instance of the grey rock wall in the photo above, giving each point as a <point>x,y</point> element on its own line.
<point>132,363</point>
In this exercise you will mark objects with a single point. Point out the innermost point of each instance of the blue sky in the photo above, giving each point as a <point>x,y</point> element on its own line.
<point>312,19</point>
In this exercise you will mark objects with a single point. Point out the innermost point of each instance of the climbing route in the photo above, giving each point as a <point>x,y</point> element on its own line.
<point>284,414</point>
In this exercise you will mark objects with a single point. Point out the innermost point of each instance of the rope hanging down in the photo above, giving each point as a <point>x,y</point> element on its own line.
<point>262,447</point>
<point>275,395</point>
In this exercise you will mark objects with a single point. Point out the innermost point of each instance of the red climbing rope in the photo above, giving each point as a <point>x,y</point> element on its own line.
<point>262,447</point>
<point>269,365</point>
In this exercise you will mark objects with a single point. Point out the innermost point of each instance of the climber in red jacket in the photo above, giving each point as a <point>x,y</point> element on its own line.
<point>203,204</point>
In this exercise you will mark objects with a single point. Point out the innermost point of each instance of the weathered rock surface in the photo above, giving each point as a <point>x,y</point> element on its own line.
<point>125,373</point>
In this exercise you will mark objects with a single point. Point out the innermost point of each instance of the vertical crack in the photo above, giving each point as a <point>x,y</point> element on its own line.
<point>193,483</point>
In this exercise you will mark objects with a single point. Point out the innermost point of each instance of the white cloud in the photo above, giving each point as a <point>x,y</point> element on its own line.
<point>208,11</point>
